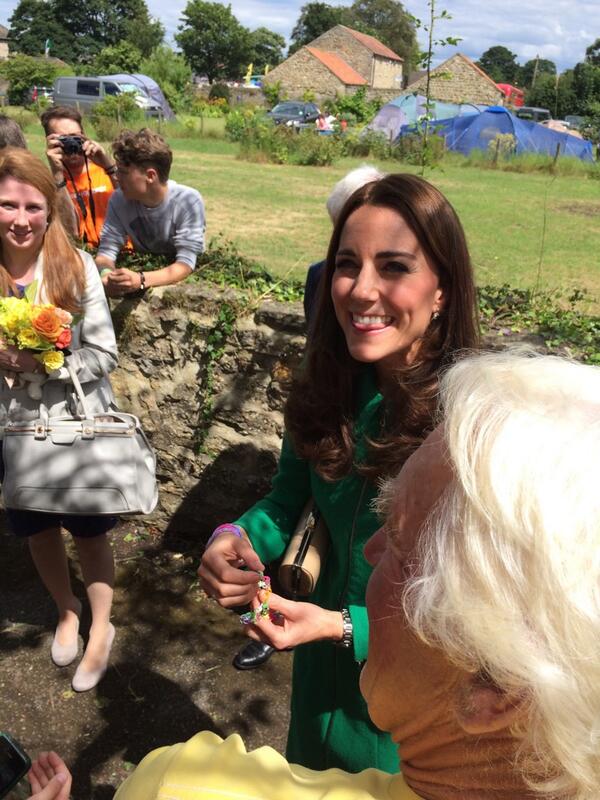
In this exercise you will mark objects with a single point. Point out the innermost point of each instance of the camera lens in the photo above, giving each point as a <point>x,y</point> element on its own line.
<point>71,145</point>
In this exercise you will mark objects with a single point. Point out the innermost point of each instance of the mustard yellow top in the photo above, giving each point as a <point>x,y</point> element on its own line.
<point>207,767</point>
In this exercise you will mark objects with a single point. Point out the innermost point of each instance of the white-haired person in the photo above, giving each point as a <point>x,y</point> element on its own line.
<point>484,608</point>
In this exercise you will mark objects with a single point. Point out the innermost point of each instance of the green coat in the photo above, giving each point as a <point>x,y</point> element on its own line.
<point>330,726</point>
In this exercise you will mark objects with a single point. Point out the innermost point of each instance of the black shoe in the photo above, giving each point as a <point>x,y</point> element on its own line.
<point>253,655</point>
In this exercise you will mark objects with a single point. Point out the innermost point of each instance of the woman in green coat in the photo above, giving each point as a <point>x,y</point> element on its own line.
<point>396,304</point>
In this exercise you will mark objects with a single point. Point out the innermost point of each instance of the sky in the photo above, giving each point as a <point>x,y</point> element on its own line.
<point>559,30</point>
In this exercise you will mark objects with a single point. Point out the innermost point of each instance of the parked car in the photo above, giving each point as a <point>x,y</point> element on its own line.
<point>294,113</point>
<point>85,92</point>
<point>533,114</point>
<point>575,121</point>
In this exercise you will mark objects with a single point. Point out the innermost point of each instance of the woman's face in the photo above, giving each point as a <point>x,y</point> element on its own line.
<point>23,217</point>
<point>384,289</point>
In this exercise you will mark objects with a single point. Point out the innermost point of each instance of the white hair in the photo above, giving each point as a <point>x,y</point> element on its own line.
<point>346,187</point>
<point>510,582</point>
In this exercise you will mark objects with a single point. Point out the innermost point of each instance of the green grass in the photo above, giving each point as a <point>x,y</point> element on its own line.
<point>276,214</point>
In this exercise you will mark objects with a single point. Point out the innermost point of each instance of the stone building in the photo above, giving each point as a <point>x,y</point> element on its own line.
<point>459,80</point>
<point>3,43</point>
<point>338,62</point>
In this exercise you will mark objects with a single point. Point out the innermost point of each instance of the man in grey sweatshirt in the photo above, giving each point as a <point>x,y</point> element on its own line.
<point>158,215</point>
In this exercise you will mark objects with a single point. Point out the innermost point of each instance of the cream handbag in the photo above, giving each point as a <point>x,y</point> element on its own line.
<point>306,552</point>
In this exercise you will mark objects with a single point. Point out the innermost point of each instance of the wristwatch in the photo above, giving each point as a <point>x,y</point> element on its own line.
<point>347,637</point>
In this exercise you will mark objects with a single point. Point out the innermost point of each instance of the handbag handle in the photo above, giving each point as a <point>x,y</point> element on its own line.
<point>79,391</point>
<point>45,416</point>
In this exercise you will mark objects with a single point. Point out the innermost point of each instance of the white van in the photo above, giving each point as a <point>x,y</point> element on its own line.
<point>84,93</point>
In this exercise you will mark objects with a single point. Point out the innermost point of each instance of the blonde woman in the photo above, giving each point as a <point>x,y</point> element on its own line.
<point>34,247</point>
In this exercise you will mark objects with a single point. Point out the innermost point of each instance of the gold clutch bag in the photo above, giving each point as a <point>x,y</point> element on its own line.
<point>301,564</point>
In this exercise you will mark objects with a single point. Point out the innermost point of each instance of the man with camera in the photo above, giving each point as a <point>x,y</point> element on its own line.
<point>81,167</point>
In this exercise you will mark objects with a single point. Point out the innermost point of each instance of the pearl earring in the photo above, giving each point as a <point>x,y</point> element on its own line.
<point>435,315</point>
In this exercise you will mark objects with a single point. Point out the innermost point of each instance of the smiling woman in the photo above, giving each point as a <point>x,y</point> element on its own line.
<point>396,303</point>
<point>35,252</point>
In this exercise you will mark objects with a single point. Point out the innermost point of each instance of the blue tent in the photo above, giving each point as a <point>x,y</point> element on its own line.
<point>464,134</point>
<point>149,87</point>
<point>406,109</point>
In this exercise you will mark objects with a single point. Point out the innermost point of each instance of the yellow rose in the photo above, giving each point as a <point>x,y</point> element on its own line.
<point>52,360</point>
<point>28,339</point>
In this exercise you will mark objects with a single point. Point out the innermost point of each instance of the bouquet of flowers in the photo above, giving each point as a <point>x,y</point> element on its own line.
<point>43,328</point>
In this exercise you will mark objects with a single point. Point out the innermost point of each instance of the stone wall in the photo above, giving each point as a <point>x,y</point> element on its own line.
<point>208,473</point>
<point>387,74</point>
<point>303,72</point>
<point>458,80</point>
<point>340,41</point>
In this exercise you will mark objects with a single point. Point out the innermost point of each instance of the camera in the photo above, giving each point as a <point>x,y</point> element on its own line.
<point>14,763</point>
<point>72,145</point>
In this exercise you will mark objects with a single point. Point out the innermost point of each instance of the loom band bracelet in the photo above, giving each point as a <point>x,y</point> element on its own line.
<point>227,527</point>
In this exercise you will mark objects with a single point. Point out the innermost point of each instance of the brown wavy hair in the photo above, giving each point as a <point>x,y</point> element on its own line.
<point>64,275</point>
<point>322,402</point>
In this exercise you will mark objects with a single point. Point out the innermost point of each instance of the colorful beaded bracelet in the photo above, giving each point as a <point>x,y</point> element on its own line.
<point>227,527</point>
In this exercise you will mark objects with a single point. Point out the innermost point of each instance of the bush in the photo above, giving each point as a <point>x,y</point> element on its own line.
<point>366,144</point>
<point>273,93</point>
<point>22,72</point>
<point>219,91</point>
<point>314,150</point>
<point>355,106</point>
<point>240,120</point>
<point>261,140</point>
<point>409,148</point>
<point>217,107</point>
<point>113,113</point>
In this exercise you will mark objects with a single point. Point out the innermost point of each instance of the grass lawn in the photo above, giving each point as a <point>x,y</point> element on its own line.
<point>276,214</point>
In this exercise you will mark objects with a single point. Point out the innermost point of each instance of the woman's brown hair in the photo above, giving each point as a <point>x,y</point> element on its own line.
<point>64,276</point>
<point>322,402</point>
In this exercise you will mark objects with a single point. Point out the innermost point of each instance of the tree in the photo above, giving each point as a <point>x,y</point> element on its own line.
<point>32,23</point>
<point>171,71</point>
<point>213,41</point>
<point>592,54</point>
<point>267,49</point>
<point>554,92</point>
<point>390,23</point>
<point>535,69</point>
<point>315,18</point>
<point>166,66</point>
<point>79,31</point>
<point>22,72</point>
<point>500,64</point>
<point>123,57</point>
<point>586,85</point>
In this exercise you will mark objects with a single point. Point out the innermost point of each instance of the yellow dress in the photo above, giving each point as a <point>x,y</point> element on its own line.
<point>207,767</point>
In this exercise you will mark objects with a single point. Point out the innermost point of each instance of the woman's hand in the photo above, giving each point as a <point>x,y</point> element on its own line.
<point>15,360</point>
<point>49,778</point>
<point>220,573</point>
<point>299,623</point>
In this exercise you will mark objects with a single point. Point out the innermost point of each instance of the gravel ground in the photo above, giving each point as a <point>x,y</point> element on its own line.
<point>170,673</point>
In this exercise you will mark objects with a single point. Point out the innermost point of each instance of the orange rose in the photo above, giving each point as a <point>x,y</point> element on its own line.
<point>64,340</point>
<point>46,322</point>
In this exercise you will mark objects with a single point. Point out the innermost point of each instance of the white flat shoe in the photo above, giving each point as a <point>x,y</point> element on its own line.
<point>84,680</point>
<point>64,654</point>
